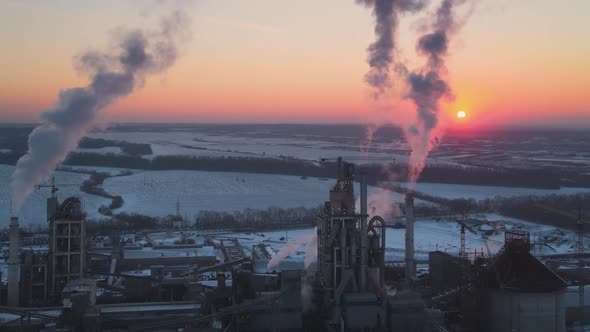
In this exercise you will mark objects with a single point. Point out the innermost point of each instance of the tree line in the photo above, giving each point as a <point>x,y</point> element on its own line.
<point>91,186</point>
<point>133,149</point>
<point>248,219</point>
<point>290,166</point>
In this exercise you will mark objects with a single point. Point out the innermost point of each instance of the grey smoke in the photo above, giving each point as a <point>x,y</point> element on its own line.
<point>381,52</point>
<point>427,86</point>
<point>426,89</point>
<point>112,75</point>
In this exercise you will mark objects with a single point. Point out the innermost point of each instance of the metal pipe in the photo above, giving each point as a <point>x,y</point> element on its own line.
<point>410,264</point>
<point>343,246</point>
<point>364,238</point>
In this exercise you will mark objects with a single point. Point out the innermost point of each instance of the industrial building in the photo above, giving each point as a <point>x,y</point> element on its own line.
<point>67,244</point>
<point>69,283</point>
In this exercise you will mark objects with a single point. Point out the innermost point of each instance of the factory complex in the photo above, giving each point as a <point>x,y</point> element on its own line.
<point>65,280</point>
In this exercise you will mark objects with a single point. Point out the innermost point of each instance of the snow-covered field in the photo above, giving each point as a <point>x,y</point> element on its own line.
<point>454,191</point>
<point>197,144</point>
<point>156,192</point>
<point>34,209</point>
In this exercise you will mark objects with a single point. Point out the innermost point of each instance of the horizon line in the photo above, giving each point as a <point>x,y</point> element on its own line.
<point>322,123</point>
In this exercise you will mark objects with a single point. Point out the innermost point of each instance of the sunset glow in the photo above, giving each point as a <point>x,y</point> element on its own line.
<point>251,63</point>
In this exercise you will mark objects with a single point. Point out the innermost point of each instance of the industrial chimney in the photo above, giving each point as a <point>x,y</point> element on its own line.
<point>410,263</point>
<point>13,265</point>
<point>364,235</point>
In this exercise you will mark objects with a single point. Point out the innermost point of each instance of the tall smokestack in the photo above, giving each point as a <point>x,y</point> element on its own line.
<point>364,238</point>
<point>410,263</point>
<point>13,265</point>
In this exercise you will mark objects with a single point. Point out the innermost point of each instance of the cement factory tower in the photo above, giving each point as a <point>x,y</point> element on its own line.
<point>67,243</point>
<point>350,256</point>
<point>13,265</point>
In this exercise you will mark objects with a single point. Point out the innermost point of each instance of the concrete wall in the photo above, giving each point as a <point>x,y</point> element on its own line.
<point>526,312</point>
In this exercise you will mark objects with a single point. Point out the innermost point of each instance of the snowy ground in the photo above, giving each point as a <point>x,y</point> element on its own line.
<point>156,192</point>
<point>198,144</point>
<point>453,191</point>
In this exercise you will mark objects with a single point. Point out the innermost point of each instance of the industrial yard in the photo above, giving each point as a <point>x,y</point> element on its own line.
<point>418,268</point>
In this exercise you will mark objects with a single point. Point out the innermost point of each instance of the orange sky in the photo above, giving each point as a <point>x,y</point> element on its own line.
<point>272,61</point>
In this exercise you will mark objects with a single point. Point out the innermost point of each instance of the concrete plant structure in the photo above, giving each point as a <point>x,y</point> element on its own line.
<point>67,244</point>
<point>350,256</point>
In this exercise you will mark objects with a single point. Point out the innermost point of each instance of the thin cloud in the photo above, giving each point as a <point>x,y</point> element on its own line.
<point>245,25</point>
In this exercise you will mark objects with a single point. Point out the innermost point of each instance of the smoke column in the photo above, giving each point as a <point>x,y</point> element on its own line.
<point>311,250</point>
<point>381,51</point>
<point>290,248</point>
<point>112,75</point>
<point>309,242</point>
<point>427,87</point>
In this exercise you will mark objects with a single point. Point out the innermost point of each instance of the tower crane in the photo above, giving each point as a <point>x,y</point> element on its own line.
<point>54,187</point>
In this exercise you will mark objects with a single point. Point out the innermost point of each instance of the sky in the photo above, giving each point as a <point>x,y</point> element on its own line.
<point>524,62</point>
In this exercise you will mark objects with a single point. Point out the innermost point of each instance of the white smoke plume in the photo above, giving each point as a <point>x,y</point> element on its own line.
<point>113,75</point>
<point>311,256</point>
<point>309,242</point>
<point>311,250</point>
<point>381,202</point>
<point>307,291</point>
<point>289,249</point>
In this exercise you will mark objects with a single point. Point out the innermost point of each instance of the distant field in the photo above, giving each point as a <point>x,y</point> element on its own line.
<point>563,155</point>
<point>154,192</point>
<point>202,144</point>
<point>453,191</point>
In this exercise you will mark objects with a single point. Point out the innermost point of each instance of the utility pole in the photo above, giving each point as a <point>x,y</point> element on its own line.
<point>580,254</point>
<point>463,255</point>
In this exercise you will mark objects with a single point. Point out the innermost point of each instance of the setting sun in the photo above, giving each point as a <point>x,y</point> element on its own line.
<point>461,114</point>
